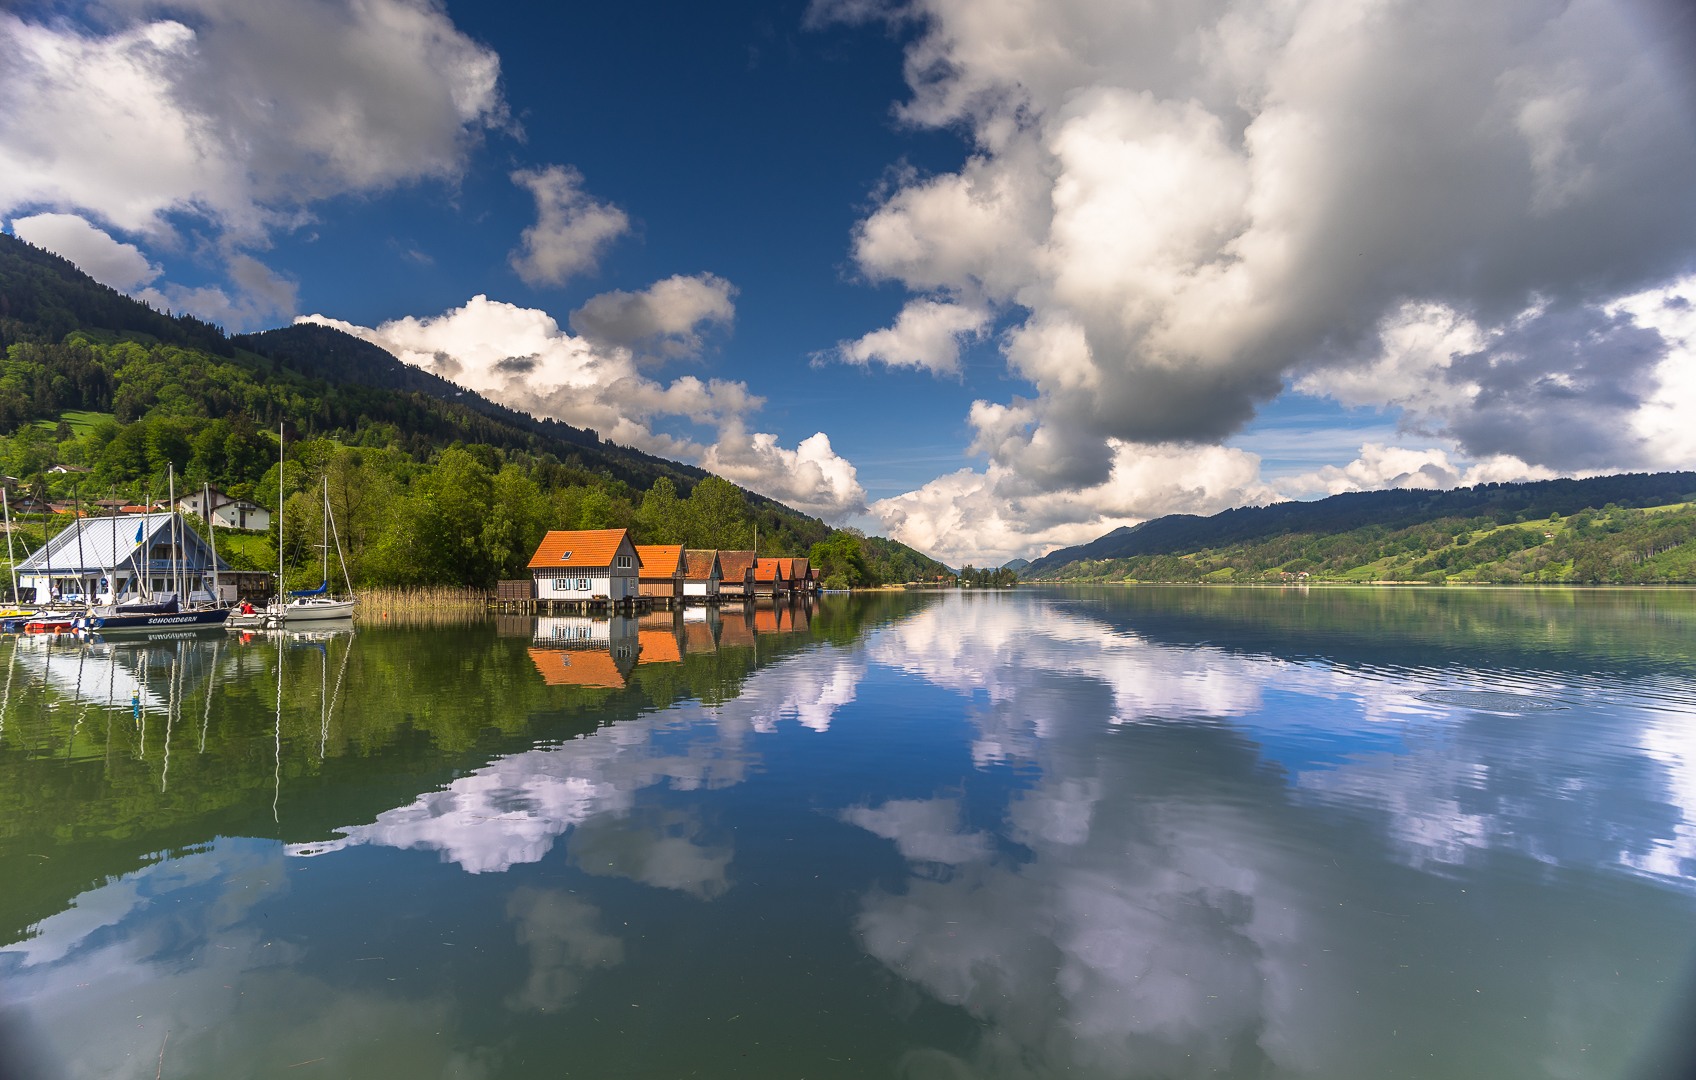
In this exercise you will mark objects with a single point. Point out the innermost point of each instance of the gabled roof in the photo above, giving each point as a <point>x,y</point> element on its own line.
<point>109,542</point>
<point>698,565</point>
<point>787,566</point>
<point>734,565</point>
<point>659,560</point>
<point>577,549</point>
<point>801,567</point>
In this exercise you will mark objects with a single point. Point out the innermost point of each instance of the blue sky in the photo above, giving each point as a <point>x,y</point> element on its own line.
<point>986,277</point>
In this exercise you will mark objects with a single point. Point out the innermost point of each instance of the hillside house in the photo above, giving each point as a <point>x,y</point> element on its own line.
<point>702,573</point>
<point>736,573</point>
<point>661,569</point>
<point>226,512</point>
<point>586,564</point>
<point>122,556</point>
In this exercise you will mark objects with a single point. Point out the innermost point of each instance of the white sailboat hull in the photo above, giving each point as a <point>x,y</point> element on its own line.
<point>317,610</point>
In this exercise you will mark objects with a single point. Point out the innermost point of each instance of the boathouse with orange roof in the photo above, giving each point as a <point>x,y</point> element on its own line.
<point>662,569</point>
<point>586,564</point>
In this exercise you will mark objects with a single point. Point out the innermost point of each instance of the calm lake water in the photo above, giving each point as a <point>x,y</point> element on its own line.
<point>1156,832</point>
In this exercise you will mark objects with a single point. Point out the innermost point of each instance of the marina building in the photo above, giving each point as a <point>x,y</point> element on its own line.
<point>123,556</point>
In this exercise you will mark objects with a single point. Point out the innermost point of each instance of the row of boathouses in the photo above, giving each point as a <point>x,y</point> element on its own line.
<point>607,566</point>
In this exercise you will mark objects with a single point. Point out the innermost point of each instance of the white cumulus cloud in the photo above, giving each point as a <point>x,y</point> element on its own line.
<point>992,516</point>
<point>122,266</point>
<point>521,357</point>
<point>235,115</point>
<point>664,320</point>
<point>927,334</point>
<point>571,232</point>
<point>1442,207</point>
<point>1380,466</point>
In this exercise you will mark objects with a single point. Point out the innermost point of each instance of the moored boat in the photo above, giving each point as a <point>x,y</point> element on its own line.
<point>150,620</point>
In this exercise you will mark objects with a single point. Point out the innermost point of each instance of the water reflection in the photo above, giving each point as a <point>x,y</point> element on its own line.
<point>1096,833</point>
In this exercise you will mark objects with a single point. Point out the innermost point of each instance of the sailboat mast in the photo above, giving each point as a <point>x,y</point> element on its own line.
<point>171,495</point>
<point>11,560</point>
<point>211,536</point>
<point>279,552</point>
<point>324,551</point>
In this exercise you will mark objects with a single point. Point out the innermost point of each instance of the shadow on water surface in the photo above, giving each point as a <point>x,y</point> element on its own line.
<point>1089,832</point>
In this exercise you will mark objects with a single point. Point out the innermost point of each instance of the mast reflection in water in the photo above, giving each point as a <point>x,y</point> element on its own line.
<point>1113,833</point>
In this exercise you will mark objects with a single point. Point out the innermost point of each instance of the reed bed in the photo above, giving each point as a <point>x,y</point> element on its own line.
<point>427,606</point>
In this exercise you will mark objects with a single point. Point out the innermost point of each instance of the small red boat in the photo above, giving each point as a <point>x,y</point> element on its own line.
<point>49,624</point>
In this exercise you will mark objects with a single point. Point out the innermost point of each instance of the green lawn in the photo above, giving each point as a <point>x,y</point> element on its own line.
<point>81,422</point>
<point>247,552</point>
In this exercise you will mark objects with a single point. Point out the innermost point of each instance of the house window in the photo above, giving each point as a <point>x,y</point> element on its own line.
<point>583,584</point>
<point>561,584</point>
<point>623,562</point>
<point>565,557</point>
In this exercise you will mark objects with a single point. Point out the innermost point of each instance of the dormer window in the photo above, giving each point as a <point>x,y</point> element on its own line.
<point>623,562</point>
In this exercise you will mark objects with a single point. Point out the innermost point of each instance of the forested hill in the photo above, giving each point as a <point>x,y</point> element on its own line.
<point>1537,528</point>
<point>438,484</point>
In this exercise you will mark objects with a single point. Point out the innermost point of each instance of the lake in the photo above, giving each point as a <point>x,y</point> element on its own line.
<point>1089,832</point>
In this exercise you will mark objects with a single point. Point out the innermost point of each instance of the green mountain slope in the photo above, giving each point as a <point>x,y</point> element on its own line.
<point>435,483</point>
<point>1549,531</point>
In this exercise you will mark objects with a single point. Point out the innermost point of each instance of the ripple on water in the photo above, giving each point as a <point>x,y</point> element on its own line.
<point>1491,700</point>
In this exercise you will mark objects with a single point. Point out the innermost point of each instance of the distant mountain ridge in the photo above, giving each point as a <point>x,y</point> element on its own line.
<point>1181,533</point>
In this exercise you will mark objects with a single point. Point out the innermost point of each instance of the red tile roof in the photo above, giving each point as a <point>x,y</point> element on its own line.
<point>766,570</point>
<point>734,565</point>
<point>578,549</point>
<point>698,565</point>
<point>659,560</point>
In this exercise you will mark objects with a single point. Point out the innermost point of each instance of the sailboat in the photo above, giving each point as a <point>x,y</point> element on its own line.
<point>316,605</point>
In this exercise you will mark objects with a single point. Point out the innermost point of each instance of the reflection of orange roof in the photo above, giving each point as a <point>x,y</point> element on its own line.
<point>765,621</point>
<point>734,631</point>
<point>582,548</point>
<point>577,667</point>
<point>658,647</point>
<point>698,565</point>
<point>659,560</point>
<point>734,564</point>
<point>697,637</point>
